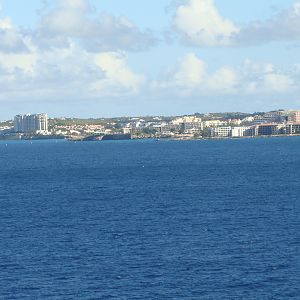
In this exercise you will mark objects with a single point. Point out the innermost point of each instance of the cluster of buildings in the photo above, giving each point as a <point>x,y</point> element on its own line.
<point>281,122</point>
<point>164,126</point>
<point>272,123</point>
<point>79,129</point>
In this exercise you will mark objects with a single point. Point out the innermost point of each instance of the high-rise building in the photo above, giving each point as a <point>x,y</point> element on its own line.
<point>31,124</point>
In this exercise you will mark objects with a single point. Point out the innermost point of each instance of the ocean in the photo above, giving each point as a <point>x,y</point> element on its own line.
<point>208,219</point>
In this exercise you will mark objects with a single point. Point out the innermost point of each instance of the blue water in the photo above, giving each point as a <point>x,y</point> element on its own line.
<point>150,220</point>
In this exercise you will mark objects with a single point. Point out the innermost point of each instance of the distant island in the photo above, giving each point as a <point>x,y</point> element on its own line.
<point>196,126</point>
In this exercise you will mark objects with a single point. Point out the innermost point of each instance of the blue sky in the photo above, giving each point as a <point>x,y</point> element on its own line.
<point>131,57</point>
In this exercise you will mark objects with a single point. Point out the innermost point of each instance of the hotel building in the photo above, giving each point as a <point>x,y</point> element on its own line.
<point>31,124</point>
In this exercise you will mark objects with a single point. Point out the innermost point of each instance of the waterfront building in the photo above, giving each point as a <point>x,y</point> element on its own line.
<point>228,131</point>
<point>188,123</point>
<point>241,131</point>
<point>269,129</point>
<point>127,130</point>
<point>291,128</point>
<point>224,131</point>
<point>31,124</point>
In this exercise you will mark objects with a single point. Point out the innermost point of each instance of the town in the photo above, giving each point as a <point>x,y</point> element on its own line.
<point>196,126</point>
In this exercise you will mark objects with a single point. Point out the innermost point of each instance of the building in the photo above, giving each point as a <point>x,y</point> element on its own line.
<point>292,128</point>
<point>228,131</point>
<point>247,120</point>
<point>294,117</point>
<point>127,130</point>
<point>187,119</point>
<point>270,118</point>
<point>234,122</point>
<point>241,131</point>
<point>188,123</point>
<point>31,124</point>
<point>268,129</point>
<point>220,131</point>
<point>213,123</point>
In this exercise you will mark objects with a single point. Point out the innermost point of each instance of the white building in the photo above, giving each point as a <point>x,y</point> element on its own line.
<point>241,131</point>
<point>224,131</point>
<point>228,131</point>
<point>234,122</point>
<point>213,123</point>
<point>248,120</point>
<point>31,124</point>
<point>187,119</point>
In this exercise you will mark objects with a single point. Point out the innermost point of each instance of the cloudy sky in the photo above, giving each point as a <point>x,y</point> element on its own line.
<point>138,57</point>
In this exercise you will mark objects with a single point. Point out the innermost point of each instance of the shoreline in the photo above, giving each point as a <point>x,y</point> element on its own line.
<point>149,138</point>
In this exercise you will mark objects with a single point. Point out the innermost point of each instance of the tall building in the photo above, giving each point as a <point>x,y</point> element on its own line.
<point>31,124</point>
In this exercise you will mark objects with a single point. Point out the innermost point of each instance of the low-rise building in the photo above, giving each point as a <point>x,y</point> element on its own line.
<point>236,122</point>
<point>224,131</point>
<point>213,123</point>
<point>186,119</point>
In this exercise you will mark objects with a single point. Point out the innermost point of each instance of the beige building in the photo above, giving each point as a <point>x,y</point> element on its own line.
<point>186,119</point>
<point>294,117</point>
<point>213,123</point>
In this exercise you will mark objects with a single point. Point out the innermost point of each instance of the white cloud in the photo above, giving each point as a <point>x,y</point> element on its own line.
<point>191,72</point>
<point>192,78</point>
<point>11,39</point>
<point>67,56</point>
<point>118,74</point>
<point>285,26</point>
<point>67,74</point>
<point>224,79</point>
<point>74,54</point>
<point>5,23</point>
<point>201,24</point>
<point>74,4</point>
<point>70,20</point>
<point>280,83</point>
<point>14,61</point>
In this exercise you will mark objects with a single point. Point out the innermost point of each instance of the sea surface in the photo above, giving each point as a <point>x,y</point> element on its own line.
<point>211,219</point>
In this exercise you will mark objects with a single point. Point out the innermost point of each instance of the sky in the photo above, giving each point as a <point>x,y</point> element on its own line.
<point>104,58</point>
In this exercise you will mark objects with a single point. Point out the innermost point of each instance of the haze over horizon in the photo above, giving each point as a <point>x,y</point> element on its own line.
<point>105,58</point>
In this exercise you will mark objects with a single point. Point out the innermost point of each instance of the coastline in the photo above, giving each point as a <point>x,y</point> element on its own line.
<point>49,138</point>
